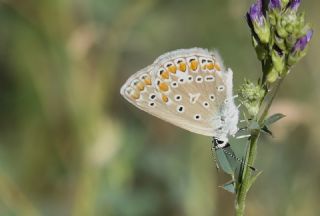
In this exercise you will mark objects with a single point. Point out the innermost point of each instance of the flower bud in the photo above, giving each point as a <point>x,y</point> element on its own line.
<point>277,61</point>
<point>251,96</point>
<point>272,76</point>
<point>280,42</point>
<point>299,49</point>
<point>281,30</point>
<point>275,4</point>
<point>303,42</point>
<point>294,5</point>
<point>258,22</point>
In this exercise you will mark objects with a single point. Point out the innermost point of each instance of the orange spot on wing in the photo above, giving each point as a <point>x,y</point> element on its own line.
<point>140,86</point>
<point>147,81</point>
<point>135,95</point>
<point>194,64</point>
<point>165,75</point>
<point>172,69</point>
<point>165,98</point>
<point>210,66</point>
<point>217,67</point>
<point>163,87</point>
<point>182,67</point>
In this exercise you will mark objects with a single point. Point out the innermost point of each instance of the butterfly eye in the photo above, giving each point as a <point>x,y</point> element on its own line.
<point>220,88</point>
<point>220,143</point>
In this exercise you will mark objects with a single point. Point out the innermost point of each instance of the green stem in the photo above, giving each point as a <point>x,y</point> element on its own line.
<point>252,150</point>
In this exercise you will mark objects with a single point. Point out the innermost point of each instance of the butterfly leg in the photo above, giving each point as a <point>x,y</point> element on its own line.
<point>213,149</point>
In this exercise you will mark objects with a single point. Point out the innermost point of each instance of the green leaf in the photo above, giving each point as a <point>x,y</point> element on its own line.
<point>229,186</point>
<point>253,179</point>
<point>224,163</point>
<point>226,159</point>
<point>266,130</point>
<point>253,125</point>
<point>274,118</point>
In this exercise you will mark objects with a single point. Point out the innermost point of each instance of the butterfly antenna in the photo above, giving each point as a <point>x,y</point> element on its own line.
<point>238,159</point>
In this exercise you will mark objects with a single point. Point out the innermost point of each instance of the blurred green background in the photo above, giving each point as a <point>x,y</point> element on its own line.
<point>70,145</point>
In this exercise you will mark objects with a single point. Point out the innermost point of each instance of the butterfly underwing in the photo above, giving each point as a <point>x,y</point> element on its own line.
<point>189,88</point>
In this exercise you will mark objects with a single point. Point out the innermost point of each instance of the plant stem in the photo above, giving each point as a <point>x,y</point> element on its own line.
<point>252,150</point>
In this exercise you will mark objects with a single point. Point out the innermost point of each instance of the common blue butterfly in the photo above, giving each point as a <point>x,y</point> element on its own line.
<point>189,88</point>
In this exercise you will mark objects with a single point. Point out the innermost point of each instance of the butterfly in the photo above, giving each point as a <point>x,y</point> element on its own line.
<point>189,88</point>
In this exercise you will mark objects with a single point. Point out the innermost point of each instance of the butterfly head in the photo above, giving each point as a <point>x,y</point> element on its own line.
<point>219,143</point>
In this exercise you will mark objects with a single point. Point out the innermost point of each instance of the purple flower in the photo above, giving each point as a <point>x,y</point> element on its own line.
<point>255,14</point>
<point>302,42</point>
<point>274,4</point>
<point>294,4</point>
<point>257,22</point>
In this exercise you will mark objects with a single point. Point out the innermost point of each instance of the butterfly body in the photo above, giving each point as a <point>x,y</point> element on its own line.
<point>189,88</point>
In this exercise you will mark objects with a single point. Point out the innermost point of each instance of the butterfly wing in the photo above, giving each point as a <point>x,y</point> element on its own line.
<point>189,88</point>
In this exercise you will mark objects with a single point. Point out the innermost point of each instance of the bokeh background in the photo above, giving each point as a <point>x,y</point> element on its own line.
<point>70,145</point>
